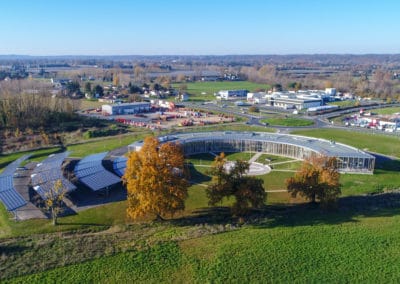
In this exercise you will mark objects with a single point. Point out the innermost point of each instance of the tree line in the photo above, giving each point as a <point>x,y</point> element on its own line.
<point>21,111</point>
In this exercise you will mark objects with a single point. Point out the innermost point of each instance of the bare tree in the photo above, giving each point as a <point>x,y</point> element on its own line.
<point>54,200</point>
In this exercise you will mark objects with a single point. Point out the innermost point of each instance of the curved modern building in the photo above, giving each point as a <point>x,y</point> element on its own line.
<point>350,159</point>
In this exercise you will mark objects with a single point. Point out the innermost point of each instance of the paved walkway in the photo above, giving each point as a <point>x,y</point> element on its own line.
<point>255,157</point>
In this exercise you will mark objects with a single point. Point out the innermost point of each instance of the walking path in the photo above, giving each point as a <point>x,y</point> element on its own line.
<point>255,157</point>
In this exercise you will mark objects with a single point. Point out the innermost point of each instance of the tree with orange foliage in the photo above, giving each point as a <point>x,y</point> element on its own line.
<point>155,180</point>
<point>318,178</point>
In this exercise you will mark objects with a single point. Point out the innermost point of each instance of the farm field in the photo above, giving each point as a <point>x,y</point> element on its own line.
<point>209,88</point>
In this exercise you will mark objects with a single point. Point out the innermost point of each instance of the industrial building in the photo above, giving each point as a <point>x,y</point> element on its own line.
<point>302,99</point>
<point>229,94</point>
<point>129,108</point>
<point>293,101</point>
<point>350,159</point>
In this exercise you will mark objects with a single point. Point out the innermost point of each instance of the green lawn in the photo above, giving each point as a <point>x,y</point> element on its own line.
<point>245,156</point>
<point>36,155</point>
<point>388,145</point>
<point>359,184</point>
<point>196,89</point>
<point>97,218</point>
<point>290,166</point>
<point>288,121</point>
<point>227,127</point>
<point>387,110</point>
<point>201,159</point>
<point>270,159</point>
<point>346,103</point>
<point>104,144</point>
<point>308,247</point>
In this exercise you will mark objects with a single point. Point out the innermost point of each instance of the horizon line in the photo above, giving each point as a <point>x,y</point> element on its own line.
<point>195,55</point>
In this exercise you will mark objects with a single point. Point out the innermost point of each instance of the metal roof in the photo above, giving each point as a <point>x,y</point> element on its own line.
<point>8,195</point>
<point>91,172</point>
<point>322,146</point>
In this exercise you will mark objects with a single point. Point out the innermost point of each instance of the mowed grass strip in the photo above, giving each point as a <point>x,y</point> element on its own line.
<point>387,145</point>
<point>288,121</point>
<point>387,110</point>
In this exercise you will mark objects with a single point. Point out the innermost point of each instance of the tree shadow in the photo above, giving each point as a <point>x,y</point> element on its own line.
<point>7,249</point>
<point>196,176</point>
<point>386,163</point>
<point>347,209</point>
<point>83,224</point>
<point>211,215</point>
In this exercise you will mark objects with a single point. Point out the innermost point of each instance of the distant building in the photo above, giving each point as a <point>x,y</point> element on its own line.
<point>292,100</point>
<point>130,108</point>
<point>229,94</point>
<point>58,83</point>
<point>330,91</point>
<point>257,98</point>
<point>184,97</point>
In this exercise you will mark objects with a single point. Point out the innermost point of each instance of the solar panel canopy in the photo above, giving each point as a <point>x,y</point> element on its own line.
<point>91,172</point>
<point>119,165</point>
<point>9,196</point>
<point>47,173</point>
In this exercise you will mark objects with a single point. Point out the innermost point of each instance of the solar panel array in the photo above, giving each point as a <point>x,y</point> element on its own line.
<point>119,165</point>
<point>8,194</point>
<point>91,172</point>
<point>47,173</point>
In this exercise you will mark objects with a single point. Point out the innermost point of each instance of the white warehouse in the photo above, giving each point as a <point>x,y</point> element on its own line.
<point>130,108</point>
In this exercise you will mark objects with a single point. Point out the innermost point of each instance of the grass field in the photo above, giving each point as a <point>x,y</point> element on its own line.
<point>98,218</point>
<point>388,110</point>
<point>289,166</point>
<point>289,121</point>
<point>346,103</point>
<point>87,104</point>
<point>388,145</point>
<point>204,91</point>
<point>227,127</point>
<point>308,247</point>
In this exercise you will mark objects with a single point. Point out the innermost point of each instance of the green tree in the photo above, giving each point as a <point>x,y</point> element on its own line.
<point>248,191</point>
<point>88,88</point>
<point>254,109</point>
<point>155,180</point>
<point>133,89</point>
<point>317,179</point>
<point>98,90</point>
<point>73,87</point>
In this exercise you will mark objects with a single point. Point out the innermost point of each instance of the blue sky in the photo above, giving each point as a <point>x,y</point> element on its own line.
<point>150,27</point>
